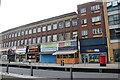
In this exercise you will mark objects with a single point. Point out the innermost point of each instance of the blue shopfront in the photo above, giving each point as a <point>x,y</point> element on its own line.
<point>47,49</point>
<point>92,48</point>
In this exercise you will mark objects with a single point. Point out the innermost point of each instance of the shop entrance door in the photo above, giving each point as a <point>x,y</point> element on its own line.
<point>85,58</point>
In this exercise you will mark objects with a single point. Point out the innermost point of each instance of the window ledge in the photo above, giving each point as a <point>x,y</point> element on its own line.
<point>83,14</point>
<point>84,25</point>
<point>97,35</point>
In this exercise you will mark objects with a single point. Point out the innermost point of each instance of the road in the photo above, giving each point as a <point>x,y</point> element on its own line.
<point>58,74</point>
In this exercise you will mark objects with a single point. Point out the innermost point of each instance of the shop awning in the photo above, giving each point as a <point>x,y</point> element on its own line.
<point>48,52</point>
<point>65,52</point>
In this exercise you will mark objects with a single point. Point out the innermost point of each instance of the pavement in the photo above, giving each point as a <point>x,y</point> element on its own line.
<point>81,65</point>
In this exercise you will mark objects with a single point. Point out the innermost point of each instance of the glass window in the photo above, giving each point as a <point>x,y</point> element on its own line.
<point>55,37</point>
<point>34,40</point>
<point>49,38</point>
<point>26,32</point>
<point>74,22</point>
<point>48,27</point>
<point>34,30</point>
<point>83,10</point>
<point>30,31</point>
<point>97,31</point>
<point>96,19</point>
<point>18,42</point>
<point>67,36</point>
<point>25,41</point>
<point>22,43</point>
<point>61,25</point>
<point>95,7</point>
<point>38,40</point>
<point>74,34</point>
<point>84,32</point>
<point>15,43</point>
<point>18,33</point>
<point>39,29</point>
<point>61,37</point>
<point>43,39</point>
<point>29,41</point>
<point>44,28</point>
<point>22,32</point>
<point>13,35</point>
<point>55,26</point>
<point>67,23</point>
<point>83,21</point>
<point>9,44</point>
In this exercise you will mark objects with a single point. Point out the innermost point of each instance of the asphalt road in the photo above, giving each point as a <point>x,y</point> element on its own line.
<point>59,74</point>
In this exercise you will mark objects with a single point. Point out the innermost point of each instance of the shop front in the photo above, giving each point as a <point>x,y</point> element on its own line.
<point>91,50</point>
<point>47,49</point>
<point>3,54</point>
<point>20,55</point>
<point>67,52</point>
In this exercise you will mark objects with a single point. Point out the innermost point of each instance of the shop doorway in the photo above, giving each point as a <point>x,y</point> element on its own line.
<point>85,58</point>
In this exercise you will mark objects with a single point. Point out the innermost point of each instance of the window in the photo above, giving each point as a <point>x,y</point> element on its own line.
<point>67,23</point>
<point>54,37</point>
<point>34,30</point>
<point>61,24</point>
<point>84,32</point>
<point>38,40</point>
<point>22,43</point>
<point>29,41</point>
<point>43,39</point>
<point>18,42</point>
<point>34,40</point>
<point>25,41</point>
<point>61,37</point>
<point>44,28</point>
<point>96,19</point>
<point>18,33</point>
<point>9,35</point>
<point>114,19</point>
<point>9,44</point>
<point>30,31</point>
<point>26,32</point>
<point>48,27</point>
<point>114,33</point>
<point>55,26</point>
<point>83,10</point>
<point>67,36</point>
<point>13,35</point>
<point>14,43</point>
<point>39,29</point>
<point>74,34</point>
<point>22,32</point>
<point>97,31</point>
<point>95,7</point>
<point>83,21</point>
<point>74,22</point>
<point>49,38</point>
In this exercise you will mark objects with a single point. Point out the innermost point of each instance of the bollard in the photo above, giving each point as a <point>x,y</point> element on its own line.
<point>31,70</point>
<point>71,73</point>
<point>7,69</point>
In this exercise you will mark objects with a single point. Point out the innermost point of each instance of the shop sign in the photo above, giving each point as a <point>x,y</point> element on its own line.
<point>22,50</point>
<point>48,47</point>
<point>33,50</point>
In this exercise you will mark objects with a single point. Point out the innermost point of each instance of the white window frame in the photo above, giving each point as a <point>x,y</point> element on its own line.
<point>44,28</point>
<point>49,27</point>
<point>83,10</point>
<point>67,23</point>
<point>84,32</point>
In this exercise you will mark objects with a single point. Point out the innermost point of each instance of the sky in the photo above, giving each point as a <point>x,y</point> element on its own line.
<point>14,13</point>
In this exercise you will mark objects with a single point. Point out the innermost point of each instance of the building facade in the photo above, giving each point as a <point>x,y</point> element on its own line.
<point>113,11</point>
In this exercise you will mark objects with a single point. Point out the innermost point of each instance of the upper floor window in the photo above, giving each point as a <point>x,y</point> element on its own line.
<point>61,24</point>
<point>38,40</point>
<point>84,32</point>
<point>55,26</point>
<point>39,29</point>
<point>34,40</point>
<point>61,37</point>
<point>83,10</point>
<point>30,31</point>
<point>22,33</point>
<point>25,41</point>
<point>97,31</point>
<point>18,43</point>
<point>26,32</point>
<point>75,33</point>
<point>29,41</point>
<point>44,28</point>
<point>95,7</point>
<point>34,30</point>
<point>13,35</point>
<point>22,43</point>
<point>83,21</point>
<point>49,38</point>
<point>67,36</point>
<point>67,23</point>
<point>54,37</point>
<point>74,22</point>
<point>48,27</point>
<point>96,19</point>
<point>18,33</point>
<point>43,39</point>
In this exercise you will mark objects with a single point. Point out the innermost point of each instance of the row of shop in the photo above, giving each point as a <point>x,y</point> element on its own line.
<point>72,52</point>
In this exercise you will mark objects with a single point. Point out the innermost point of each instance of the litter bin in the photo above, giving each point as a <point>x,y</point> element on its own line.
<point>102,60</point>
<point>62,62</point>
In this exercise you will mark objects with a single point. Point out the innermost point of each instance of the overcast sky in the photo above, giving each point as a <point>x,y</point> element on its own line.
<point>14,13</point>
